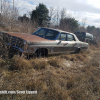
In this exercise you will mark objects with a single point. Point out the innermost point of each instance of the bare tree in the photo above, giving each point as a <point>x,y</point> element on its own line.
<point>84,20</point>
<point>56,15</point>
<point>62,16</point>
<point>51,12</point>
<point>1,6</point>
<point>63,13</point>
<point>83,29</point>
<point>9,14</point>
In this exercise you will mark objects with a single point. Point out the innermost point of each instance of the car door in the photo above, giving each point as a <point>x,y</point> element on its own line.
<point>60,47</point>
<point>71,42</point>
<point>66,42</point>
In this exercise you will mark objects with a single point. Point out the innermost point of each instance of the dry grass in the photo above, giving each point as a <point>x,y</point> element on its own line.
<point>53,79</point>
<point>18,63</point>
<point>20,27</point>
<point>39,64</point>
<point>55,61</point>
<point>75,57</point>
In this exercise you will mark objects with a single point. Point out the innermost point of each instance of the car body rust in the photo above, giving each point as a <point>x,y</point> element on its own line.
<point>28,37</point>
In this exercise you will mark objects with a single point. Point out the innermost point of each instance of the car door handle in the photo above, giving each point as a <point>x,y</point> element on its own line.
<point>74,44</point>
<point>65,44</point>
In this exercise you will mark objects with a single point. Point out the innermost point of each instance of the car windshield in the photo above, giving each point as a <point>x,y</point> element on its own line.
<point>47,33</point>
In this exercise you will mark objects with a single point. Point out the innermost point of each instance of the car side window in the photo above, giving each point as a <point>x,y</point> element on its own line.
<point>62,37</point>
<point>70,37</point>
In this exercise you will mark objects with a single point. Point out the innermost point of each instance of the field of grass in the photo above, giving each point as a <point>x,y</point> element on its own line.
<point>59,77</point>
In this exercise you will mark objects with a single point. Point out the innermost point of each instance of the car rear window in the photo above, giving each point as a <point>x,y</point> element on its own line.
<point>47,33</point>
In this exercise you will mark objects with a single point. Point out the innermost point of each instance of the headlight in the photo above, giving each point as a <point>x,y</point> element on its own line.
<point>25,42</point>
<point>25,45</point>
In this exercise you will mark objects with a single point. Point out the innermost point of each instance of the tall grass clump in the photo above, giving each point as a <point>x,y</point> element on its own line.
<point>19,63</point>
<point>55,62</point>
<point>39,64</point>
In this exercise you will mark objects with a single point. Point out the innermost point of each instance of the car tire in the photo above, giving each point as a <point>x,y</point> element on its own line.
<point>77,50</point>
<point>40,53</point>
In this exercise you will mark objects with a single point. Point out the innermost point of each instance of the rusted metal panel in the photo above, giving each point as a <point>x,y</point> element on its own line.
<point>28,37</point>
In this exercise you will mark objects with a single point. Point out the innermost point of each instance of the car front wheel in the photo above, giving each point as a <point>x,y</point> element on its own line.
<point>77,50</point>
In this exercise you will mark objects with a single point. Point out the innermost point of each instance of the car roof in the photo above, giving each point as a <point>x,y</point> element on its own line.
<point>61,31</point>
<point>58,30</point>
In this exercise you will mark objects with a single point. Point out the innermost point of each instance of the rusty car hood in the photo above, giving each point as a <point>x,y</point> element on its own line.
<point>28,37</point>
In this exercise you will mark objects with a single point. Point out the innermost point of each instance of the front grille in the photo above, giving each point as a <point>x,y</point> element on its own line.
<point>18,42</point>
<point>13,41</point>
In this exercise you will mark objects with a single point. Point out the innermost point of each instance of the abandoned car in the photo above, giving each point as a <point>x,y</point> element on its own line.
<point>85,37</point>
<point>43,42</point>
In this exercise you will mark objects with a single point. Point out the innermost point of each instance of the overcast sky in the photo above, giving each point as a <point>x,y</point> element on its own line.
<point>79,9</point>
